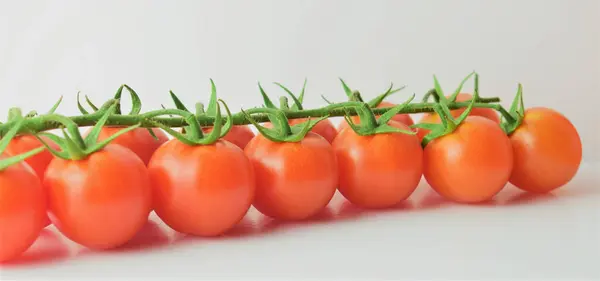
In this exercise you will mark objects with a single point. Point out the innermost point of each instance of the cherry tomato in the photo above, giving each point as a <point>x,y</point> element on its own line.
<point>239,135</point>
<point>22,210</point>
<point>378,171</point>
<point>324,128</point>
<point>470,165</point>
<point>202,190</point>
<point>24,143</point>
<point>547,151</point>
<point>294,180</point>
<point>402,118</point>
<point>101,201</point>
<point>138,140</point>
<point>434,118</point>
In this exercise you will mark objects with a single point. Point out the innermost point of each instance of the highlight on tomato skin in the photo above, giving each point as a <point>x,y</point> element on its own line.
<point>139,140</point>
<point>471,164</point>
<point>22,210</point>
<point>101,201</point>
<point>378,171</point>
<point>547,151</point>
<point>294,180</point>
<point>24,143</point>
<point>202,190</point>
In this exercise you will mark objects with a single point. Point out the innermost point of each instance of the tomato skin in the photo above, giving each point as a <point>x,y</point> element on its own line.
<point>434,118</point>
<point>25,143</point>
<point>378,171</point>
<point>294,180</point>
<point>402,118</point>
<point>137,140</point>
<point>22,210</point>
<point>547,151</point>
<point>202,190</point>
<point>324,128</point>
<point>102,201</point>
<point>470,165</point>
<point>239,135</point>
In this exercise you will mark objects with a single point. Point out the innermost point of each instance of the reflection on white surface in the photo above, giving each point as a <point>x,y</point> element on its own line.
<point>518,235</point>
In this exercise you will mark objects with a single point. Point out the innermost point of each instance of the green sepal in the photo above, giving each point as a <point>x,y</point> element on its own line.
<point>105,142</point>
<point>374,126</point>
<point>297,100</point>
<point>267,101</point>
<point>378,99</point>
<point>90,103</point>
<point>326,100</point>
<point>93,135</point>
<point>31,114</point>
<point>80,107</point>
<point>14,113</point>
<point>177,101</point>
<point>517,112</point>
<point>347,89</point>
<point>282,131</point>
<point>211,110</point>
<point>452,98</point>
<point>5,141</point>
<point>55,106</point>
<point>136,102</point>
<point>388,115</point>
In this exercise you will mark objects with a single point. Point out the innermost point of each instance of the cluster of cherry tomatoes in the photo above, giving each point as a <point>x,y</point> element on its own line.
<point>102,201</point>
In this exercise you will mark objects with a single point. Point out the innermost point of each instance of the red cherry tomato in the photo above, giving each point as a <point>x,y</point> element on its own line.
<point>24,143</point>
<point>101,201</point>
<point>138,140</point>
<point>547,151</point>
<point>239,135</point>
<point>202,190</point>
<point>434,118</point>
<point>378,171</point>
<point>470,165</point>
<point>402,118</point>
<point>294,180</point>
<point>324,128</point>
<point>22,210</point>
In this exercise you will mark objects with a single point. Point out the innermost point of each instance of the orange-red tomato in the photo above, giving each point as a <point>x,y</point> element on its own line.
<point>202,190</point>
<point>434,118</point>
<point>138,140</point>
<point>101,201</point>
<point>324,128</point>
<point>402,118</point>
<point>239,135</point>
<point>294,180</point>
<point>378,171</point>
<point>547,151</point>
<point>22,210</point>
<point>470,165</point>
<point>25,143</point>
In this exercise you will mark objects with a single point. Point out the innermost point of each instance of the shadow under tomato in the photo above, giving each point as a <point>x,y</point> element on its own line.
<point>151,236</point>
<point>524,198</point>
<point>269,225</point>
<point>245,228</point>
<point>349,211</point>
<point>48,248</point>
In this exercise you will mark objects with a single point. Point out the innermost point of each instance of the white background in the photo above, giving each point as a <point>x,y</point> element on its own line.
<point>53,48</point>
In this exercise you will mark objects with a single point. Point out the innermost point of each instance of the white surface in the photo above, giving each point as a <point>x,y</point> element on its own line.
<point>518,236</point>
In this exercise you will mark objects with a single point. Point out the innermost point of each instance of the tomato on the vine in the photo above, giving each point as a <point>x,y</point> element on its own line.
<point>100,201</point>
<point>294,180</point>
<point>378,171</point>
<point>202,190</point>
<point>547,151</point>
<point>471,164</point>
<point>434,118</point>
<point>325,128</point>
<point>239,135</point>
<point>139,140</point>
<point>24,143</point>
<point>22,209</point>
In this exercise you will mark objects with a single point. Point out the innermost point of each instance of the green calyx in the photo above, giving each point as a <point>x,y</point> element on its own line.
<point>282,131</point>
<point>355,95</point>
<point>448,122</point>
<point>370,125</point>
<point>5,141</point>
<point>192,133</point>
<point>72,145</point>
<point>517,112</point>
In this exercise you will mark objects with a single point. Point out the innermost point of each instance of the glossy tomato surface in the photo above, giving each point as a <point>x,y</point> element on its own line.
<point>294,180</point>
<point>239,135</point>
<point>470,165</point>
<point>25,143</point>
<point>547,151</point>
<point>378,171</point>
<point>102,201</point>
<point>434,118</point>
<point>22,210</point>
<point>202,190</point>
<point>402,118</point>
<point>138,140</point>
